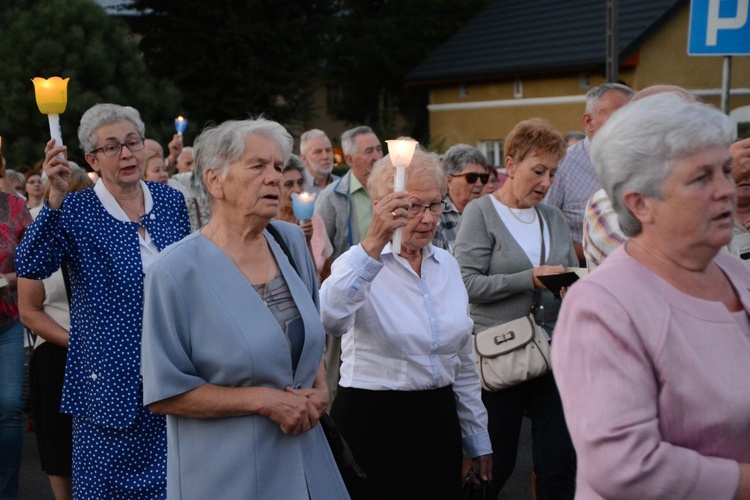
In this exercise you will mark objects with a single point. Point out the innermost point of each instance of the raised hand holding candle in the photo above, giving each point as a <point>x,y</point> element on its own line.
<point>51,99</point>
<point>180,124</point>
<point>401,152</point>
<point>303,205</point>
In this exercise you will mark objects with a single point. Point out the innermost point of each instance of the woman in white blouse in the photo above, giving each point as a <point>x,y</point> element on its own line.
<point>409,395</point>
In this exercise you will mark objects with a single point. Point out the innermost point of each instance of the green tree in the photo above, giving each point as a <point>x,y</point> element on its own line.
<point>75,39</point>
<point>235,58</point>
<point>377,43</point>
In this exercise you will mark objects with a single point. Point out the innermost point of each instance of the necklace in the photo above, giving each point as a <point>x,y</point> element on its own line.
<point>263,288</point>
<point>533,213</point>
<point>262,291</point>
<point>134,215</point>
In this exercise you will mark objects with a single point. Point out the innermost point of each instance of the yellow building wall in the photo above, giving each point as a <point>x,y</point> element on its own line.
<point>662,59</point>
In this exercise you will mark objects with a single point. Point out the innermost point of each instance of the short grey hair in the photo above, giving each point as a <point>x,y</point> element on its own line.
<point>295,163</point>
<point>15,175</point>
<point>100,115</point>
<point>637,147</point>
<point>424,169</point>
<point>458,155</point>
<point>186,149</point>
<point>310,134</point>
<point>595,95</point>
<point>219,146</point>
<point>349,139</point>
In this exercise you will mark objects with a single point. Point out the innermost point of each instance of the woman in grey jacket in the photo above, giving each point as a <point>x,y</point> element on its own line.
<point>499,247</point>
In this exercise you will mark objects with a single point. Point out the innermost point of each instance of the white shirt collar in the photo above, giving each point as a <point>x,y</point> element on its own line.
<point>427,251</point>
<point>114,208</point>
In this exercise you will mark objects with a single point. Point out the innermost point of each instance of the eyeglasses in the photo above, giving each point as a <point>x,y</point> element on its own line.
<point>472,177</point>
<point>113,149</point>
<point>35,181</point>
<point>417,210</point>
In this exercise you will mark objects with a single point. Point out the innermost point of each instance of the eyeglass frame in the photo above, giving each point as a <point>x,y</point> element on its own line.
<point>484,178</point>
<point>423,208</point>
<point>120,145</point>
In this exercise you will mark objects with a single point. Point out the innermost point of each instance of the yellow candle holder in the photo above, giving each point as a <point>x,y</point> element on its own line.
<point>51,99</point>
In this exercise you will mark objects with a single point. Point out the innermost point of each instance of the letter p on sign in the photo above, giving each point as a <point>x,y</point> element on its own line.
<point>719,27</point>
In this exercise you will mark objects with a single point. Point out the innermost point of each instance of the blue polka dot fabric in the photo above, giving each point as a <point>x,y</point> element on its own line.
<point>102,377</point>
<point>131,465</point>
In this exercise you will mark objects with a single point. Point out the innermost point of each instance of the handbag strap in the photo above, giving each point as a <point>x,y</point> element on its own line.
<point>543,257</point>
<point>542,260</point>
<point>277,236</point>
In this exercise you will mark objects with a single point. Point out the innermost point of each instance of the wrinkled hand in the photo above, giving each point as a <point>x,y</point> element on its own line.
<point>318,397</point>
<point>307,228</point>
<point>482,468</point>
<point>58,172</point>
<point>545,270</point>
<point>293,412</point>
<point>175,148</point>
<point>388,215</point>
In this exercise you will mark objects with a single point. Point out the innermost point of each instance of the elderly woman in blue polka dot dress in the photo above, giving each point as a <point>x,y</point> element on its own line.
<point>107,235</point>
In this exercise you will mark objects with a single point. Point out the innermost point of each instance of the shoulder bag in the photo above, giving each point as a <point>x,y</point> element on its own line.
<point>514,352</point>
<point>350,471</point>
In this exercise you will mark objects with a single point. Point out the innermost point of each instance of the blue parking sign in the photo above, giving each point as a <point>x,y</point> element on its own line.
<point>719,27</point>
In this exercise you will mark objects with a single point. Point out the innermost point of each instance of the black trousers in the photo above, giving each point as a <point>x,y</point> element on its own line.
<point>407,442</point>
<point>552,449</point>
<point>54,430</point>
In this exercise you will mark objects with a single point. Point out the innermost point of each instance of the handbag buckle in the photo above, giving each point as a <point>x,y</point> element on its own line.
<point>505,337</point>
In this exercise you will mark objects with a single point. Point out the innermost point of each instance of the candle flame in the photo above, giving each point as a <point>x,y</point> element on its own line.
<point>401,151</point>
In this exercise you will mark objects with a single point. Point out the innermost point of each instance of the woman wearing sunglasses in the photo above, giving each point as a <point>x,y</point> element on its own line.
<point>466,174</point>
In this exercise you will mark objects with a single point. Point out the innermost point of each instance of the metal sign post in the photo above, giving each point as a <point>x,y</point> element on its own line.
<point>720,28</point>
<point>726,81</point>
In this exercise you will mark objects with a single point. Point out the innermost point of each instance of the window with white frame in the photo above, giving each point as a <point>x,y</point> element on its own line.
<point>493,150</point>
<point>518,88</point>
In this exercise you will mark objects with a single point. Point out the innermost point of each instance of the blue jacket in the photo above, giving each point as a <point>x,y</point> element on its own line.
<point>102,376</point>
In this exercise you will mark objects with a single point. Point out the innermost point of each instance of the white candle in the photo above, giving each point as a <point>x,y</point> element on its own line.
<point>401,152</point>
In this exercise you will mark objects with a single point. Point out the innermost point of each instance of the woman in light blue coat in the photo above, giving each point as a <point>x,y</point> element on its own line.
<point>232,341</point>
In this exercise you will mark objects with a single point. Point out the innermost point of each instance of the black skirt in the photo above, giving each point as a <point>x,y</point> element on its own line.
<point>54,430</point>
<point>407,442</point>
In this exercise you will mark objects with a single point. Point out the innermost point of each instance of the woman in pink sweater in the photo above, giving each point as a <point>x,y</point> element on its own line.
<point>652,349</point>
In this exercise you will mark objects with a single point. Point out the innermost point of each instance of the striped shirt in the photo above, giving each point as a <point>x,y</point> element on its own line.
<point>574,184</point>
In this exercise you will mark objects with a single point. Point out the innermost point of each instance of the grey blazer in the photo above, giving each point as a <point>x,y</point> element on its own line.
<point>496,271</point>
<point>335,208</point>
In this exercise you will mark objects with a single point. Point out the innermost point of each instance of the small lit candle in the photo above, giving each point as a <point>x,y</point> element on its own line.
<point>401,152</point>
<point>303,205</point>
<point>180,124</point>
<point>51,99</point>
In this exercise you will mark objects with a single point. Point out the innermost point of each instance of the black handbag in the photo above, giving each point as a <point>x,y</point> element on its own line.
<point>484,491</point>
<point>350,471</point>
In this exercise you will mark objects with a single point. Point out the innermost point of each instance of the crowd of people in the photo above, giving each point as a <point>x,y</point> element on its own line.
<point>193,330</point>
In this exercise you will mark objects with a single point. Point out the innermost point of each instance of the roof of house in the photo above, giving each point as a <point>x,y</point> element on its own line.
<point>520,37</point>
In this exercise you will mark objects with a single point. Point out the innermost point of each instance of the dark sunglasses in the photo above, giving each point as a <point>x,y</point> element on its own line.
<point>472,177</point>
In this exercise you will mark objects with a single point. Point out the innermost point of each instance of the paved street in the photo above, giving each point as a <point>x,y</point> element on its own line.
<point>35,486</point>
